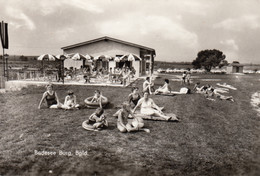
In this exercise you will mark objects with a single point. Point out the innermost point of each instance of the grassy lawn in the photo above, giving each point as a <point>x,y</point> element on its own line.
<point>213,137</point>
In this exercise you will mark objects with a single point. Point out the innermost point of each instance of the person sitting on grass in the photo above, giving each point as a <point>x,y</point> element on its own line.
<point>164,89</point>
<point>147,85</point>
<point>149,108</point>
<point>134,97</point>
<point>51,98</point>
<point>125,125</point>
<point>98,97</point>
<point>96,121</point>
<point>70,101</point>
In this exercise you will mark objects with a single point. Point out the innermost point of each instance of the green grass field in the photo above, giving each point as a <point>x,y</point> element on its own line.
<point>213,138</point>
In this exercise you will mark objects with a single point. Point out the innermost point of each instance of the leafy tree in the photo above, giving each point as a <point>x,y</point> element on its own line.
<point>209,59</point>
<point>23,58</point>
<point>223,63</point>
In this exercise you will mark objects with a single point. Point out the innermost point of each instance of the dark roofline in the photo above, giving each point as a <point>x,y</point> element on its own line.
<point>236,64</point>
<point>108,38</point>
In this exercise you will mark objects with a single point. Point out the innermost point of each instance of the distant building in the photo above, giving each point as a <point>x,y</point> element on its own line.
<point>115,48</point>
<point>235,68</point>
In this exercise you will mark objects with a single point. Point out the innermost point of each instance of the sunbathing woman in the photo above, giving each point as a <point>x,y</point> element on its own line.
<point>134,97</point>
<point>70,101</point>
<point>164,89</point>
<point>125,125</point>
<point>211,92</point>
<point>149,108</point>
<point>51,98</point>
<point>202,89</point>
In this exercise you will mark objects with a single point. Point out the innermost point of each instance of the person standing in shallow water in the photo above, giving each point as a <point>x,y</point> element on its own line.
<point>51,98</point>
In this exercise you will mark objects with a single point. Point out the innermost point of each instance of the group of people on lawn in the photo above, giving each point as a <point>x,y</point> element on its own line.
<point>128,108</point>
<point>210,92</point>
<point>148,108</point>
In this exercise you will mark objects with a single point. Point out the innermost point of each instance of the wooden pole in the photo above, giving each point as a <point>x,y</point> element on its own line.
<point>4,60</point>
<point>7,74</point>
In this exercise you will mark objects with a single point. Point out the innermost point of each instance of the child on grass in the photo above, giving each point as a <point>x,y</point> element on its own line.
<point>96,121</point>
<point>70,101</point>
<point>125,125</point>
<point>97,97</point>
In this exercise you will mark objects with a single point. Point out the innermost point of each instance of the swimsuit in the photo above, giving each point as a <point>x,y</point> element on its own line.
<point>134,99</point>
<point>147,107</point>
<point>50,99</point>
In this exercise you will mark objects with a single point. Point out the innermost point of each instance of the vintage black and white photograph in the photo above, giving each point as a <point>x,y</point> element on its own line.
<point>130,87</point>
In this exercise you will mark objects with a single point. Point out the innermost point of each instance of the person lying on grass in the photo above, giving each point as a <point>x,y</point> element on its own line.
<point>134,97</point>
<point>70,101</point>
<point>203,89</point>
<point>96,121</point>
<point>98,97</point>
<point>149,108</point>
<point>198,89</point>
<point>125,125</point>
<point>51,98</point>
<point>164,89</point>
<point>212,93</point>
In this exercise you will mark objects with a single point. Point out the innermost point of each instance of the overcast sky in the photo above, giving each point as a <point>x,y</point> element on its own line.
<point>176,29</point>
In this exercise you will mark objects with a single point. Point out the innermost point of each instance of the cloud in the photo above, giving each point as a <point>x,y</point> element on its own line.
<point>159,26</point>
<point>63,34</point>
<point>194,7</point>
<point>21,18</point>
<point>230,43</point>
<point>231,56</point>
<point>48,7</point>
<point>85,5</point>
<point>239,24</point>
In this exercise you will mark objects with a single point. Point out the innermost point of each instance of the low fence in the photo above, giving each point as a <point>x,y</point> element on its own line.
<point>33,74</point>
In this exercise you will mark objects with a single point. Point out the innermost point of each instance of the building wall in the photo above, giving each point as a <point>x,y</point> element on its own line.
<point>112,64</point>
<point>73,63</point>
<point>237,69</point>
<point>109,48</point>
<point>229,69</point>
